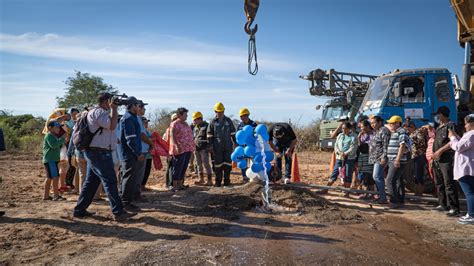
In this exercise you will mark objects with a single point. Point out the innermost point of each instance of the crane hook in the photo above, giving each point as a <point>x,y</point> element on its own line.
<point>250,8</point>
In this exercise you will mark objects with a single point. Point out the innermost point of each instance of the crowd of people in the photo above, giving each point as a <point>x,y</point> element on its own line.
<point>386,155</point>
<point>118,158</point>
<point>121,150</point>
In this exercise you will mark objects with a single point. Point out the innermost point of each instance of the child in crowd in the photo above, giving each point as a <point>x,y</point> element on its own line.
<point>51,153</point>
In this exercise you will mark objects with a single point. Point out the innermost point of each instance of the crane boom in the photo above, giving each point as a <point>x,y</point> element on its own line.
<point>333,83</point>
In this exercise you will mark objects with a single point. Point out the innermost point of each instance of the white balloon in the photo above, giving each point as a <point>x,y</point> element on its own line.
<point>250,174</point>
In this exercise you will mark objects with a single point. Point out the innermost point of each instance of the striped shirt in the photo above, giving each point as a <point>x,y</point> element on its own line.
<point>397,138</point>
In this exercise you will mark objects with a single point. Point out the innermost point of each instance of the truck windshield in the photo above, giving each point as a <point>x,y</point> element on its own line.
<point>375,94</point>
<point>335,112</point>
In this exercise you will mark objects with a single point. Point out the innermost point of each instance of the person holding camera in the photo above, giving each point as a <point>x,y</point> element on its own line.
<point>100,167</point>
<point>443,159</point>
<point>464,165</point>
<point>131,154</point>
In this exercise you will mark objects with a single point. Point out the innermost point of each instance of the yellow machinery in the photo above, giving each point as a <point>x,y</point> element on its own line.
<point>464,10</point>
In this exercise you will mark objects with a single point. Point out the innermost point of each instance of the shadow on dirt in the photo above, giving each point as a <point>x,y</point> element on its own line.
<point>98,230</point>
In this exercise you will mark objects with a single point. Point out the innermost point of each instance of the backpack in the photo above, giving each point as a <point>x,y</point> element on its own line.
<point>82,136</point>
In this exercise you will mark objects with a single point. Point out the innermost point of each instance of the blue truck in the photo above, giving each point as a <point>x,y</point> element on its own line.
<point>413,93</point>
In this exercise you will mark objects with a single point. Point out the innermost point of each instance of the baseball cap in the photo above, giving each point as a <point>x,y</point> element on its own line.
<point>54,124</point>
<point>132,100</point>
<point>395,119</point>
<point>140,102</point>
<point>145,119</point>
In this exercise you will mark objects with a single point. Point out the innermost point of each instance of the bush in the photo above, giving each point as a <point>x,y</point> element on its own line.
<point>32,143</point>
<point>22,132</point>
<point>160,119</point>
<point>308,136</point>
<point>12,141</point>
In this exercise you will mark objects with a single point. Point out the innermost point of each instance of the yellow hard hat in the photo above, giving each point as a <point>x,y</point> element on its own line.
<point>244,111</point>
<point>219,107</point>
<point>197,115</point>
<point>395,119</point>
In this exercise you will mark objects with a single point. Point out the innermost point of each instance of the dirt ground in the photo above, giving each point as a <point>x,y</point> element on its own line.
<point>210,226</point>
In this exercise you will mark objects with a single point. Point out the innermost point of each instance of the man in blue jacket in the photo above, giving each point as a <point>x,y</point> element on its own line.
<point>130,153</point>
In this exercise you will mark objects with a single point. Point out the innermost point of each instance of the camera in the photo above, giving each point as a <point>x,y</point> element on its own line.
<point>120,99</point>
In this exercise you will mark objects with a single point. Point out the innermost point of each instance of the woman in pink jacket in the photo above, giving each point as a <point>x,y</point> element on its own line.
<point>464,165</point>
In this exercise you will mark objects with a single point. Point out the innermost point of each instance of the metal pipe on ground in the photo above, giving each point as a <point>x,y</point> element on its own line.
<point>350,190</point>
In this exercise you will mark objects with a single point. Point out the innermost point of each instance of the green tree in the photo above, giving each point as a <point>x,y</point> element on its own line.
<point>82,91</point>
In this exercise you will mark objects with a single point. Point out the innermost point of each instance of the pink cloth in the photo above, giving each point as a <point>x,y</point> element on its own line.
<point>464,156</point>
<point>429,148</point>
<point>183,135</point>
<point>160,148</point>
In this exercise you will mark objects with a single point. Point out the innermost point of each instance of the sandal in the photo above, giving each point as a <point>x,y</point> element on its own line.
<point>48,198</point>
<point>63,189</point>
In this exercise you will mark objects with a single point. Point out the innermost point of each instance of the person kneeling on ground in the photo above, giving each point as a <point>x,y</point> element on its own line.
<point>283,142</point>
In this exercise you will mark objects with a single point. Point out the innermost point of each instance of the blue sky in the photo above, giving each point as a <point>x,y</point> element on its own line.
<point>193,53</point>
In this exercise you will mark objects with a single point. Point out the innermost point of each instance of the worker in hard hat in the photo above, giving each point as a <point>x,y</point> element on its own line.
<point>201,153</point>
<point>245,120</point>
<point>221,137</point>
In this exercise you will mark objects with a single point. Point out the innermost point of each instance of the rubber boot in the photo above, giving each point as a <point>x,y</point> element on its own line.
<point>227,170</point>
<point>219,172</point>
<point>201,179</point>
<point>209,180</point>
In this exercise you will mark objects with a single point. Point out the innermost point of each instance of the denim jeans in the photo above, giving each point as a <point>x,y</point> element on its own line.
<point>100,168</point>
<point>179,166</point>
<point>283,150</point>
<point>379,174</point>
<point>349,169</point>
<point>467,186</point>
<point>396,183</point>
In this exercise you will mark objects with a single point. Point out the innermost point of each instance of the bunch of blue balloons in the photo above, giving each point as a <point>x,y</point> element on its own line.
<point>253,144</point>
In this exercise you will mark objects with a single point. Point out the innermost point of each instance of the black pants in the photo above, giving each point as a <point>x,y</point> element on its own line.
<point>447,190</point>
<point>147,171</point>
<point>168,176</point>
<point>222,166</point>
<point>396,183</point>
<point>128,186</point>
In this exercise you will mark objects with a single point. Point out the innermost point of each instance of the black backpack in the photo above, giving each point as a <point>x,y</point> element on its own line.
<point>82,136</point>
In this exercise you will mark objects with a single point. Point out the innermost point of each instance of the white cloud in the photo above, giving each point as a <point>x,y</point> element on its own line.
<point>168,54</point>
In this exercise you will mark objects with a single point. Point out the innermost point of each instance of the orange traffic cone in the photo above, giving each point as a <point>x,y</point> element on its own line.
<point>295,173</point>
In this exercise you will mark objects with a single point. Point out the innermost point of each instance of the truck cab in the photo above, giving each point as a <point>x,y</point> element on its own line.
<point>411,93</point>
<point>336,110</point>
